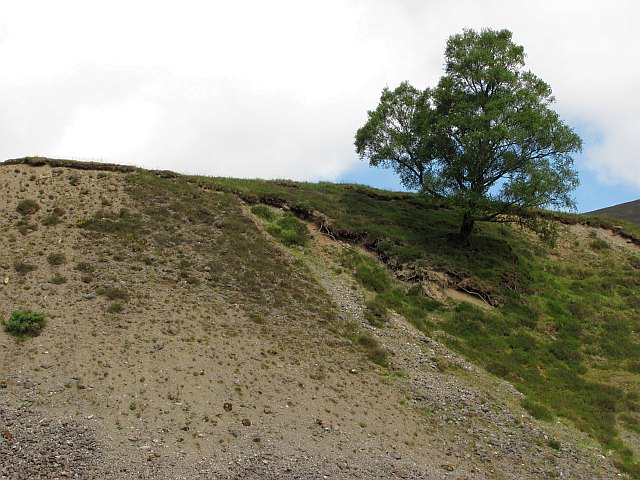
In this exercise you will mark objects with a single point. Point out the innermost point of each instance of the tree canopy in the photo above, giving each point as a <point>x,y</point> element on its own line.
<point>485,137</point>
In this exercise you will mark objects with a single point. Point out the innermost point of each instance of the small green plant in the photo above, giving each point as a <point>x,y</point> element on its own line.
<point>50,220</point>
<point>25,227</point>
<point>374,351</point>
<point>263,211</point>
<point>369,273</point>
<point>84,267</point>
<point>54,217</point>
<point>555,444</point>
<point>74,179</point>
<point>115,308</point>
<point>27,207</point>
<point>537,410</point>
<point>23,267</point>
<point>58,279</point>
<point>376,312</point>
<point>56,258</point>
<point>255,318</point>
<point>113,293</point>
<point>599,245</point>
<point>290,231</point>
<point>23,323</point>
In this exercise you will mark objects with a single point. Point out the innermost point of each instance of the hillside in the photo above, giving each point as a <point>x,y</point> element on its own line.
<point>629,211</point>
<point>202,327</point>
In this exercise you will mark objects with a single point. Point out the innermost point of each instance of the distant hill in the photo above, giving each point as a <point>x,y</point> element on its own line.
<point>629,211</point>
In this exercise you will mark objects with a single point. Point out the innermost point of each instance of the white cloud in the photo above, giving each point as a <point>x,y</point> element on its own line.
<point>277,89</point>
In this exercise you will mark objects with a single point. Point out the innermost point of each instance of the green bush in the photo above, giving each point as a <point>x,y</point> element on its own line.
<point>58,279</point>
<point>113,293</point>
<point>369,273</point>
<point>537,410</point>
<point>290,231</point>
<point>374,351</point>
<point>84,267</point>
<point>50,220</point>
<point>599,245</point>
<point>115,308</point>
<point>23,267</point>
<point>27,207</point>
<point>56,258</point>
<point>25,323</point>
<point>263,211</point>
<point>376,312</point>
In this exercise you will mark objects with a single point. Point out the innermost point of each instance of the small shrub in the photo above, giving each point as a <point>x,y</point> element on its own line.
<point>56,258</point>
<point>263,211</point>
<point>58,279</point>
<point>374,351</point>
<point>367,271</point>
<point>25,323</point>
<point>23,267</point>
<point>74,179</point>
<point>25,227</point>
<point>555,444</point>
<point>84,267</point>
<point>27,207</point>
<point>290,231</point>
<point>376,313</point>
<point>255,318</point>
<point>113,293</point>
<point>115,308</point>
<point>50,220</point>
<point>54,217</point>
<point>599,245</point>
<point>536,410</point>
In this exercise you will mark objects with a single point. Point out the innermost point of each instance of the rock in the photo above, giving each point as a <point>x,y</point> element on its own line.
<point>227,407</point>
<point>173,330</point>
<point>246,422</point>
<point>267,410</point>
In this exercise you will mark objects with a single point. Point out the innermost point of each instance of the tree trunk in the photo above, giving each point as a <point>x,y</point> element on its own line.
<point>466,228</point>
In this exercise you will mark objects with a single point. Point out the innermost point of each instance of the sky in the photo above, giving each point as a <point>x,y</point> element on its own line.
<point>277,89</point>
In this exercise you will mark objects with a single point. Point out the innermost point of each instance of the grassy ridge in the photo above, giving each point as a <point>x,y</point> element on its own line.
<point>565,332</point>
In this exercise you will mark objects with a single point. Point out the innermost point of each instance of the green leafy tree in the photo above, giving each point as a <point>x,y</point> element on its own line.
<point>485,137</point>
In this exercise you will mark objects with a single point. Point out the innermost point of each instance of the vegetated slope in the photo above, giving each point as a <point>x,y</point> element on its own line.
<point>190,335</point>
<point>629,211</point>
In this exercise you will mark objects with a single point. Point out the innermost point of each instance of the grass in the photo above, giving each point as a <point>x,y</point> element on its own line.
<point>113,293</point>
<point>56,258</point>
<point>264,212</point>
<point>557,328</point>
<point>564,332</point>
<point>373,350</point>
<point>243,267</point>
<point>23,267</point>
<point>289,230</point>
<point>27,207</point>
<point>23,323</point>
<point>115,308</point>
